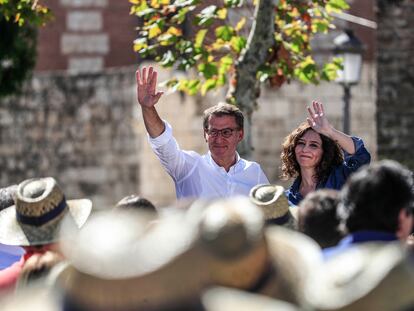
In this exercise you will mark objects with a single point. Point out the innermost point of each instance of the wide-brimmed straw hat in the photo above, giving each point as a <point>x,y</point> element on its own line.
<point>33,299</point>
<point>142,264</point>
<point>167,263</point>
<point>293,256</point>
<point>40,206</point>
<point>274,204</point>
<point>370,276</point>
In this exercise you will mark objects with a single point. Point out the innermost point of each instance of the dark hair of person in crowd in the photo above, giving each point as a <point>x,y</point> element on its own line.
<point>332,154</point>
<point>136,202</point>
<point>374,196</point>
<point>221,110</point>
<point>318,219</point>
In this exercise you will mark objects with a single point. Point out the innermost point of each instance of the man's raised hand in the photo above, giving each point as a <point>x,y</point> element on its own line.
<point>146,87</point>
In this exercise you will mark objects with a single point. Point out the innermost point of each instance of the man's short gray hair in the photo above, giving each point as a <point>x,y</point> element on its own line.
<point>224,109</point>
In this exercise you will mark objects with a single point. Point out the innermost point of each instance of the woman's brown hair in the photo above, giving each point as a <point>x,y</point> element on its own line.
<point>331,157</point>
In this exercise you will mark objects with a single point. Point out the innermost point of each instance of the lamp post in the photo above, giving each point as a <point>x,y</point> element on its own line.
<point>350,49</point>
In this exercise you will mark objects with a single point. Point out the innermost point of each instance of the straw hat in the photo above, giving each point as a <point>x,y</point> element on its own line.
<point>293,256</point>
<point>370,276</point>
<point>275,206</point>
<point>141,264</point>
<point>40,206</point>
<point>227,299</point>
<point>164,264</point>
<point>33,299</point>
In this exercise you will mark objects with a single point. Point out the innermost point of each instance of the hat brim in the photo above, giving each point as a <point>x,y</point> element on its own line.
<point>275,207</point>
<point>293,256</point>
<point>223,299</point>
<point>363,278</point>
<point>13,233</point>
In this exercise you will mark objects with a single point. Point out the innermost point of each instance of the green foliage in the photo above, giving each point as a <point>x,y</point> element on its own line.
<point>218,41</point>
<point>18,23</point>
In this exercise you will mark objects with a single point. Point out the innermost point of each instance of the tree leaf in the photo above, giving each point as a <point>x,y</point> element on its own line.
<point>208,85</point>
<point>233,3</point>
<point>154,30</point>
<point>140,43</point>
<point>224,32</point>
<point>225,64</point>
<point>208,70</point>
<point>222,13</point>
<point>329,72</point>
<point>238,43</point>
<point>168,59</point>
<point>205,17</point>
<point>200,37</point>
<point>240,24</point>
<point>336,6</point>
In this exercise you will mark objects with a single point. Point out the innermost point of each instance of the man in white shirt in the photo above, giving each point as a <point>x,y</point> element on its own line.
<point>219,173</point>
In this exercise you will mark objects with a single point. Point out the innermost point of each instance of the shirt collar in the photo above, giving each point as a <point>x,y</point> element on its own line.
<point>233,167</point>
<point>367,236</point>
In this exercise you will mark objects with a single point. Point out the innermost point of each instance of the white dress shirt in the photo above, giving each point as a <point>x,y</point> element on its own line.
<point>198,175</point>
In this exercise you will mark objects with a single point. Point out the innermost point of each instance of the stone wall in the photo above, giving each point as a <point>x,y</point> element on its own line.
<point>396,81</point>
<point>77,129</point>
<point>88,133</point>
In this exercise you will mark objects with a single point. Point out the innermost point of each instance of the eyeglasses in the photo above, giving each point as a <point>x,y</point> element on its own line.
<point>226,133</point>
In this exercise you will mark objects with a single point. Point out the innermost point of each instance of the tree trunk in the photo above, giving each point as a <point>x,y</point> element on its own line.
<point>247,89</point>
<point>395,72</point>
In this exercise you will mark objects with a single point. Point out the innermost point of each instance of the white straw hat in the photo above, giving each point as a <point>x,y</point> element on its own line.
<point>40,206</point>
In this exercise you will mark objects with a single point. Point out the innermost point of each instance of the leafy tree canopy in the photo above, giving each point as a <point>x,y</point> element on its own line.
<point>222,32</point>
<point>19,20</point>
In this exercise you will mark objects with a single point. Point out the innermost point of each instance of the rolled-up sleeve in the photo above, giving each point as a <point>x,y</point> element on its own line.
<point>360,157</point>
<point>163,139</point>
<point>177,163</point>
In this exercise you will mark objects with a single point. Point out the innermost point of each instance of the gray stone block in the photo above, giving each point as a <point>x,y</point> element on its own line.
<point>82,43</point>
<point>84,21</point>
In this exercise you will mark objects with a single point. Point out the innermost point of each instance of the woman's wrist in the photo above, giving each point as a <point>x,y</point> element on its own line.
<point>329,132</point>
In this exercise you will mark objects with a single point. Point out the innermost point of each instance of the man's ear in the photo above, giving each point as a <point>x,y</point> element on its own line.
<point>405,224</point>
<point>241,135</point>
<point>205,135</point>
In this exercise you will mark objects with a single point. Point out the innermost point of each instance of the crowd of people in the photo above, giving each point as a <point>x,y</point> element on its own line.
<point>340,238</point>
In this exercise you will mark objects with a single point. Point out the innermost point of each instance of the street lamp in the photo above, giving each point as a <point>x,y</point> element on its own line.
<point>350,49</point>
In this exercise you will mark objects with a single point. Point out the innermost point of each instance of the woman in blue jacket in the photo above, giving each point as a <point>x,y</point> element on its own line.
<point>319,156</point>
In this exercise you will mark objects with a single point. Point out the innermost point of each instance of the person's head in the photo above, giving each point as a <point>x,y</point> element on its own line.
<point>378,197</point>
<point>136,202</point>
<point>223,130</point>
<point>304,147</point>
<point>318,218</point>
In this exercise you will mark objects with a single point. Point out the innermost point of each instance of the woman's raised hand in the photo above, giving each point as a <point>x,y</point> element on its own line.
<point>146,84</point>
<point>318,120</point>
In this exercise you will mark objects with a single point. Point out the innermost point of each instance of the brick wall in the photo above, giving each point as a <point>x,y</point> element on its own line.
<point>396,81</point>
<point>87,36</point>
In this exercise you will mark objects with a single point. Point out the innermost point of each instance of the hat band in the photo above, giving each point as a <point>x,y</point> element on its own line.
<point>278,221</point>
<point>41,220</point>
